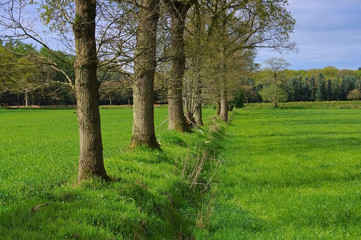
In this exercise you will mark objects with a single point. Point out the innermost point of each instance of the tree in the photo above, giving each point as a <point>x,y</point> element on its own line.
<point>348,84</point>
<point>250,93</point>
<point>275,66</point>
<point>195,52</point>
<point>113,21</point>
<point>58,68</point>
<point>295,89</point>
<point>144,70</point>
<point>238,101</point>
<point>320,94</point>
<point>178,11</point>
<point>306,91</point>
<point>87,92</point>
<point>330,72</point>
<point>7,66</point>
<point>354,94</point>
<point>109,90</point>
<point>313,88</point>
<point>336,91</point>
<point>237,28</point>
<point>329,90</point>
<point>22,73</point>
<point>268,94</point>
<point>28,78</point>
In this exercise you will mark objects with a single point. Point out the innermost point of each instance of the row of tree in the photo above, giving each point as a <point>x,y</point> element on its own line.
<point>25,80</point>
<point>197,48</point>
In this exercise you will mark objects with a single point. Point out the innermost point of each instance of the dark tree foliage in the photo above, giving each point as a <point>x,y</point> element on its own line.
<point>306,91</point>
<point>313,88</point>
<point>336,91</point>
<point>238,101</point>
<point>318,85</point>
<point>320,93</point>
<point>329,90</point>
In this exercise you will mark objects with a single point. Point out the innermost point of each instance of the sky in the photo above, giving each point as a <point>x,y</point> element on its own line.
<point>327,33</point>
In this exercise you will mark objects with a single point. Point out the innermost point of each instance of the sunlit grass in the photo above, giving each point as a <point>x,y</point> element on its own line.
<point>290,174</point>
<point>147,199</point>
<point>285,174</point>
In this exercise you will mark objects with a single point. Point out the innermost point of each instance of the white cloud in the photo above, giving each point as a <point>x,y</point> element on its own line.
<point>327,33</point>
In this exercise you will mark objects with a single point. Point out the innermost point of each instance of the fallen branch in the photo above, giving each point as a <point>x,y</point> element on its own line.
<point>162,123</point>
<point>37,208</point>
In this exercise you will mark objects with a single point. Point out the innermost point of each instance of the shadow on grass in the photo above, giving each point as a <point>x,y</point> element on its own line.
<point>148,199</point>
<point>124,209</point>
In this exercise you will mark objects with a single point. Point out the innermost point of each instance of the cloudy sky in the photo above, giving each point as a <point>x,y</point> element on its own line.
<point>327,33</point>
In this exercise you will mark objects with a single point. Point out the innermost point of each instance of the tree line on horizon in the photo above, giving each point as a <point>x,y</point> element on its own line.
<point>327,84</point>
<point>46,86</point>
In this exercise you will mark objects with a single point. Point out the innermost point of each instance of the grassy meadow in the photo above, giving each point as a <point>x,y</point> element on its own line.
<point>268,174</point>
<point>151,195</point>
<point>290,174</point>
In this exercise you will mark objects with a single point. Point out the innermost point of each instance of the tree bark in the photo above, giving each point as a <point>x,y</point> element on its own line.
<point>218,107</point>
<point>223,114</point>
<point>275,100</point>
<point>197,113</point>
<point>87,92</point>
<point>26,98</point>
<point>197,108</point>
<point>144,69</point>
<point>178,12</point>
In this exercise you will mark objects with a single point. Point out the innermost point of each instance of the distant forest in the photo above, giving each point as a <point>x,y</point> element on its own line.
<point>25,79</point>
<point>327,84</point>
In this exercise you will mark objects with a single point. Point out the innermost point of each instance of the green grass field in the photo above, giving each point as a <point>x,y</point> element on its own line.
<point>150,197</point>
<point>284,174</point>
<point>290,174</point>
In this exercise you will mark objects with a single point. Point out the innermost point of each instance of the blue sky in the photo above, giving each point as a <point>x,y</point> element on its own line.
<point>327,33</point>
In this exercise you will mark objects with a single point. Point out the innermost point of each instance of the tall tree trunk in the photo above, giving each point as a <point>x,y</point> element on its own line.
<point>197,112</point>
<point>188,96</point>
<point>218,107</point>
<point>275,100</point>
<point>197,115</point>
<point>144,69</point>
<point>26,98</point>
<point>197,108</point>
<point>224,102</point>
<point>223,114</point>
<point>178,11</point>
<point>223,85</point>
<point>87,92</point>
